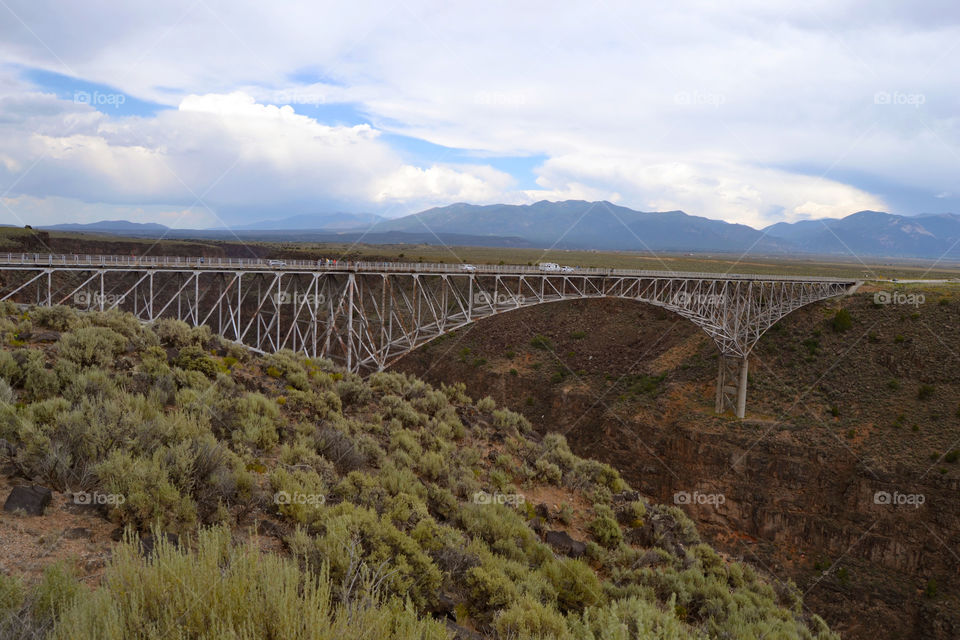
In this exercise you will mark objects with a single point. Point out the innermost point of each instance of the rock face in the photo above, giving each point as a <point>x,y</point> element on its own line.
<point>30,500</point>
<point>820,485</point>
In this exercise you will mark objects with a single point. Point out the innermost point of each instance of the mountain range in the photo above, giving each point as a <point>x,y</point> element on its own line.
<point>577,224</point>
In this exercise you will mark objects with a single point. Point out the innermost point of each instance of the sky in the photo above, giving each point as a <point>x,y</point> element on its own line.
<point>210,113</point>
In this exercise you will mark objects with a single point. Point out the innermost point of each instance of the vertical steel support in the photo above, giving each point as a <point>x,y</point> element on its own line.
<point>732,384</point>
<point>350,286</point>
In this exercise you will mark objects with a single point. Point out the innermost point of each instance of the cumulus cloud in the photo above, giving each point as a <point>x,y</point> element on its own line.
<point>733,111</point>
<point>219,154</point>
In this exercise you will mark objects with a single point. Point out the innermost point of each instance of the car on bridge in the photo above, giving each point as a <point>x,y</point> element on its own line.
<point>467,267</point>
<point>276,263</point>
<point>566,269</point>
<point>549,266</point>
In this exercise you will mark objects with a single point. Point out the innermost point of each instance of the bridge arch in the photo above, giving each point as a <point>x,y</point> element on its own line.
<point>366,315</point>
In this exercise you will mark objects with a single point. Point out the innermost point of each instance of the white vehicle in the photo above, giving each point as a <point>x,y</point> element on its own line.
<point>566,269</point>
<point>467,267</point>
<point>549,266</point>
<point>276,263</point>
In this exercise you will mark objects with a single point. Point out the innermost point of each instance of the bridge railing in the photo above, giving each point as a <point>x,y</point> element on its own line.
<point>330,264</point>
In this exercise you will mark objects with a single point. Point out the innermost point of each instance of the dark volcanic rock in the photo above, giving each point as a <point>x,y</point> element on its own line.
<point>31,500</point>
<point>562,542</point>
<point>148,542</point>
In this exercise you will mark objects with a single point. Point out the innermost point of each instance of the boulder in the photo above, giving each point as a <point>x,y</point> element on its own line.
<point>31,500</point>
<point>148,542</point>
<point>562,542</point>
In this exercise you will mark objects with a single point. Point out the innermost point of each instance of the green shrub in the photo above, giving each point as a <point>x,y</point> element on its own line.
<point>528,618</point>
<point>243,594</point>
<point>925,392</point>
<point>489,590</point>
<point>257,419</point>
<point>541,342</point>
<point>194,358</point>
<point>349,534</point>
<point>57,317</point>
<point>576,585</point>
<point>841,321</point>
<point>92,346</point>
<point>606,530</point>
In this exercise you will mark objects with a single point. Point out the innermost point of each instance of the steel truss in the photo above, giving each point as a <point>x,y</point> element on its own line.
<point>364,319</point>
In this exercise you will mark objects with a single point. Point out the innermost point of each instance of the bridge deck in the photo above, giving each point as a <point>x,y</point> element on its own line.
<point>86,261</point>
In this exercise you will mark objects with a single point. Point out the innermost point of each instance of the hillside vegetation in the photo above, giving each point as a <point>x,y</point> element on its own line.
<point>401,507</point>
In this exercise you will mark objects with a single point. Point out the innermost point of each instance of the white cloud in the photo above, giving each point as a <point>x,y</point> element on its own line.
<point>225,154</point>
<point>678,105</point>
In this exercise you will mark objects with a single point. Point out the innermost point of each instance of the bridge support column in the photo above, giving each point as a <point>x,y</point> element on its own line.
<point>732,385</point>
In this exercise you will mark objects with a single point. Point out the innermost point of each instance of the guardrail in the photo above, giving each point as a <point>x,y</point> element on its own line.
<point>325,264</point>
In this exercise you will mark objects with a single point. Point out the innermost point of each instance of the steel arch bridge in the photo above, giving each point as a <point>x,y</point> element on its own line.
<point>366,315</point>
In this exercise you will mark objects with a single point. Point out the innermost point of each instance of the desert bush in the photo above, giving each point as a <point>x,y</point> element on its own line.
<point>432,465</point>
<point>489,590</point>
<point>575,583</point>
<point>246,594</point>
<point>9,369</point>
<point>548,471</point>
<point>643,618</point>
<point>528,618</point>
<point>606,530</point>
<point>349,534</point>
<point>194,358</point>
<point>257,419</point>
<point>353,391</point>
<point>511,422</point>
<point>173,333</point>
<point>149,494</point>
<point>58,317</point>
<point>841,321</point>
<point>92,346</point>
<point>340,449</point>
